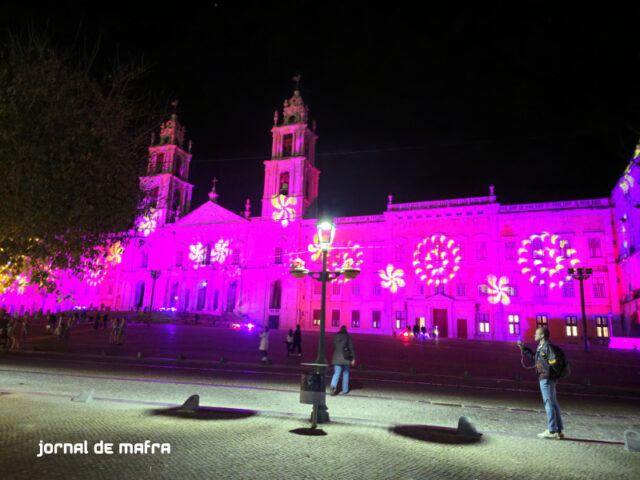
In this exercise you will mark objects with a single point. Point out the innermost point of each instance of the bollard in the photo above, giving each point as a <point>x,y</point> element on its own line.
<point>180,357</point>
<point>191,405</point>
<point>223,359</point>
<point>412,371</point>
<point>518,377</point>
<point>631,441</point>
<point>139,355</point>
<point>467,374</point>
<point>466,428</point>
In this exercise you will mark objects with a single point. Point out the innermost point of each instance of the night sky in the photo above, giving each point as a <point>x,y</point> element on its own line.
<point>422,104</point>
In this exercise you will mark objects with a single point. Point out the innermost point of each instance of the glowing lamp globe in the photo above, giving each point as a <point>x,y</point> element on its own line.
<point>350,273</point>
<point>326,233</point>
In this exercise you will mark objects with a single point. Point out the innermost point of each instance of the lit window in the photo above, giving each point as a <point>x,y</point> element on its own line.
<point>571,325</point>
<point>401,320</point>
<point>316,318</point>
<point>595,249</point>
<point>514,324</point>
<point>598,287</point>
<point>542,321</point>
<point>483,323</point>
<point>537,248</point>
<point>335,318</point>
<point>375,319</point>
<point>602,327</point>
<point>355,319</point>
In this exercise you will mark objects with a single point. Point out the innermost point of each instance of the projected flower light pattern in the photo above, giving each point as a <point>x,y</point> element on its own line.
<point>220,251</point>
<point>350,256</point>
<point>114,256</point>
<point>436,259</point>
<point>284,211</point>
<point>391,278</point>
<point>148,223</point>
<point>314,249</point>
<point>96,276</point>
<point>498,290</point>
<point>196,254</point>
<point>543,259</point>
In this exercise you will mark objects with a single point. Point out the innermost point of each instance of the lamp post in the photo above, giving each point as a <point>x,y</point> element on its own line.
<point>154,274</point>
<point>582,274</point>
<point>326,232</point>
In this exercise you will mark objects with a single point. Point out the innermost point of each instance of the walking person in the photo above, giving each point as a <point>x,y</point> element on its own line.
<point>297,341</point>
<point>546,365</point>
<point>264,344</point>
<point>416,330</point>
<point>25,328</point>
<point>344,357</point>
<point>122,331</point>
<point>113,336</point>
<point>14,343</point>
<point>289,342</point>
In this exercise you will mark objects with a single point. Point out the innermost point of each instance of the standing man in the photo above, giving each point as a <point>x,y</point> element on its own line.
<point>546,368</point>
<point>264,344</point>
<point>344,357</point>
<point>297,341</point>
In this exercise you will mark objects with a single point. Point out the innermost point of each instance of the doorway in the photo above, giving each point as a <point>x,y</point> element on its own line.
<point>462,328</point>
<point>440,319</point>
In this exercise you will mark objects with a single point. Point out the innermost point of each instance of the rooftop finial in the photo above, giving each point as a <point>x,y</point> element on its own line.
<point>491,188</point>
<point>174,104</point>
<point>213,195</point>
<point>247,209</point>
<point>297,78</point>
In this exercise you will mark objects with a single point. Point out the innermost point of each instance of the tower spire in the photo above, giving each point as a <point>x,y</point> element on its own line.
<point>296,78</point>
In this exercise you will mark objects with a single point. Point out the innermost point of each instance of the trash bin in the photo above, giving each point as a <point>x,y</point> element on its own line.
<point>312,389</point>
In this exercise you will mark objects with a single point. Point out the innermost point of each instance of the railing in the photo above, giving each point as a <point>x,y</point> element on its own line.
<point>454,202</point>
<point>527,207</point>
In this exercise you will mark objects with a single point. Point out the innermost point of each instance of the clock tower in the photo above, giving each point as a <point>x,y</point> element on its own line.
<point>291,177</point>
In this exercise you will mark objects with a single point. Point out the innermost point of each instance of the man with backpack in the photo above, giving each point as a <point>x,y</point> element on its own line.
<point>550,365</point>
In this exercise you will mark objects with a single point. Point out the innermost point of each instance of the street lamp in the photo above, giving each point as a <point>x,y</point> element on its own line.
<point>582,274</point>
<point>326,230</point>
<point>154,274</point>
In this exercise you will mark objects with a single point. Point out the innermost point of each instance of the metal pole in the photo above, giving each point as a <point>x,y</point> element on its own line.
<point>321,358</point>
<point>584,316</point>
<point>153,288</point>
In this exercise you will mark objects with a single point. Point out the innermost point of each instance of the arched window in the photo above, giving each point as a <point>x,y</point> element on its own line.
<point>284,184</point>
<point>276,295</point>
<point>173,295</point>
<point>287,145</point>
<point>139,296</point>
<point>231,296</point>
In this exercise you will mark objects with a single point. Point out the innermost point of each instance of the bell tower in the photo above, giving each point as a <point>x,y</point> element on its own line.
<point>291,177</point>
<point>168,172</point>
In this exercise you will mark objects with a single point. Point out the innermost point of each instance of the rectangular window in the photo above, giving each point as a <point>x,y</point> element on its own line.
<point>514,324</point>
<point>440,289</point>
<point>335,318</point>
<point>317,288</point>
<point>144,261</point>
<point>510,250</point>
<point>483,323</point>
<point>539,290</point>
<point>287,145</point>
<point>399,254</point>
<point>401,320</point>
<point>316,318</point>
<point>595,249</point>
<point>355,319</point>
<point>568,289</point>
<point>565,249</point>
<point>355,288</point>
<point>377,253</point>
<point>336,288</point>
<point>512,286</point>
<point>602,327</point>
<point>537,248</point>
<point>421,289</point>
<point>481,250</point>
<point>375,319</point>
<point>598,287</point>
<point>483,290</point>
<point>542,321</point>
<point>376,290</point>
<point>179,259</point>
<point>206,259</point>
<point>571,325</point>
<point>461,251</point>
<point>235,257</point>
<point>278,256</point>
<point>460,290</point>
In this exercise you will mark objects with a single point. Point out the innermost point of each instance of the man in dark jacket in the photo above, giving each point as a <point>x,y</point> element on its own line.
<point>343,357</point>
<point>297,341</point>
<point>546,363</point>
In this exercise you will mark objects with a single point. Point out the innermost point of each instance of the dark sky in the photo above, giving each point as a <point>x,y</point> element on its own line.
<point>424,104</point>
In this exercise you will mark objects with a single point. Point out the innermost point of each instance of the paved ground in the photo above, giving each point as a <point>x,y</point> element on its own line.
<point>391,425</point>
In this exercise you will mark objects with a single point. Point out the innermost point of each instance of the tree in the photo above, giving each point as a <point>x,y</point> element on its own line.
<point>72,150</point>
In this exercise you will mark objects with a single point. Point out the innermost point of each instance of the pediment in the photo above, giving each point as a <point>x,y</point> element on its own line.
<point>210,212</point>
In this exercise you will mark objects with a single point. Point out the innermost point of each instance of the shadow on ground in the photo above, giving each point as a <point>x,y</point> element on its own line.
<point>205,413</point>
<point>308,431</point>
<point>427,433</point>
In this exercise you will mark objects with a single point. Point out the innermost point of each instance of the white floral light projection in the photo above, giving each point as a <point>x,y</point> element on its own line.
<point>103,264</point>
<point>148,223</point>
<point>196,254</point>
<point>391,278</point>
<point>436,259</point>
<point>284,209</point>
<point>498,290</point>
<point>114,257</point>
<point>545,259</point>
<point>349,256</point>
<point>220,251</point>
<point>314,249</point>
